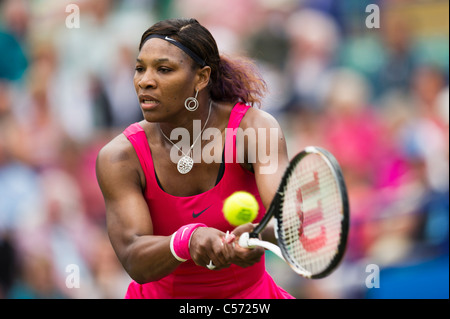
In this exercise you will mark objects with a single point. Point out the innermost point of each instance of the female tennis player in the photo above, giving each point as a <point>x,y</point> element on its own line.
<point>163,202</point>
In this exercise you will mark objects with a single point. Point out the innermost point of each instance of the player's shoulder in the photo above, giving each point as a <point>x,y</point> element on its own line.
<point>258,118</point>
<point>116,150</point>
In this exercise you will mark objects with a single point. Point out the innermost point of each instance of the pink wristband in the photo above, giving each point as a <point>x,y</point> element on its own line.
<point>180,240</point>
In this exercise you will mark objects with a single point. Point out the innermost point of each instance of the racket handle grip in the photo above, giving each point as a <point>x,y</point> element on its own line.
<point>246,241</point>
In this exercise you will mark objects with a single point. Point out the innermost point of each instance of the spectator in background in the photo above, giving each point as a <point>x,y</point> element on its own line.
<point>13,35</point>
<point>351,130</point>
<point>399,61</point>
<point>269,44</point>
<point>426,141</point>
<point>36,110</point>
<point>314,41</point>
<point>19,190</point>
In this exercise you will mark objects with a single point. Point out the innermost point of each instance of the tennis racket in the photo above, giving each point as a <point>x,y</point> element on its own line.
<point>312,215</point>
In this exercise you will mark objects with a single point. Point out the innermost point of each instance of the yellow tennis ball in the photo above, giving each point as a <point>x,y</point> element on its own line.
<point>240,208</point>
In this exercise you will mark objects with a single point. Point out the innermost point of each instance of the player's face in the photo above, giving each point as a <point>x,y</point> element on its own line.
<point>164,78</point>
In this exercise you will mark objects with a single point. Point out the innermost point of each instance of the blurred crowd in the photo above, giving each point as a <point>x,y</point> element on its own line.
<point>377,98</point>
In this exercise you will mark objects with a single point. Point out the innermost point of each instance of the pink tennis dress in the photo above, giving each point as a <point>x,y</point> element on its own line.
<point>169,213</point>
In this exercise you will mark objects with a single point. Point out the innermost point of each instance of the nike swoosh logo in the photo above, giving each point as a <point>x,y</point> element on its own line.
<point>169,39</point>
<point>196,215</point>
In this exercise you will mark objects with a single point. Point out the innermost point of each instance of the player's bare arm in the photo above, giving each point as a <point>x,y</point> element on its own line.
<point>269,169</point>
<point>145,257</point>
<point>268,173</point>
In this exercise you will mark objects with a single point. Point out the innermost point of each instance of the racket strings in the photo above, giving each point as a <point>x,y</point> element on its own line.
<point>311,216</point>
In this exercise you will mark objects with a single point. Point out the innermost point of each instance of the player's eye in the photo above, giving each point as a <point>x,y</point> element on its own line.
<point>164,70</point>
<point>139,69</point>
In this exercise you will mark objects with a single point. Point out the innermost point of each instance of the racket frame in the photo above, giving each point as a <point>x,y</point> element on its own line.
<point>275,209</point>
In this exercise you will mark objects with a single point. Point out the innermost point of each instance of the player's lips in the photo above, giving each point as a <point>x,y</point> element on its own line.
<point>148,101</point>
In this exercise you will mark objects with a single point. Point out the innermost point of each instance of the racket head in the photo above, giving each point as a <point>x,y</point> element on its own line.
<point>312,213</point>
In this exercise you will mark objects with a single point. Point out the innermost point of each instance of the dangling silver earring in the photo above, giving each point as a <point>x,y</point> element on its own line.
<point>191,103</point>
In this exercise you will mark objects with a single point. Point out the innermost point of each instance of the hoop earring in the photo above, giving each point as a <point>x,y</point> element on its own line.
<point>191,103</point>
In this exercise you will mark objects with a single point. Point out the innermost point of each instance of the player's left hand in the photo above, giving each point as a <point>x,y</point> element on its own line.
<point>245,257</point>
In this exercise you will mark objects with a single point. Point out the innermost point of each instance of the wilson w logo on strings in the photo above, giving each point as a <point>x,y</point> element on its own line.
<point>312,216</point>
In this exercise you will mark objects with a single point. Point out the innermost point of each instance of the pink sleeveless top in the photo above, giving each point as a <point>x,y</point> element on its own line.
<point>170,212</point>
